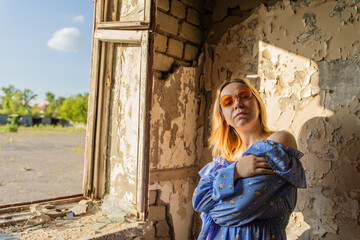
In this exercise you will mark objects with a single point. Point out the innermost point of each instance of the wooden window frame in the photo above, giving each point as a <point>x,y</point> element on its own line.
<point>98,112</point>
<point>109,33</point>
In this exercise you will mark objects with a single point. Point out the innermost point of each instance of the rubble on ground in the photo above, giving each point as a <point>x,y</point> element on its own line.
<point>85,220</point>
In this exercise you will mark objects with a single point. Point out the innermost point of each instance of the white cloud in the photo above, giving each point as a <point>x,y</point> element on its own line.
<point>79,18</point>
<point>66,39</point>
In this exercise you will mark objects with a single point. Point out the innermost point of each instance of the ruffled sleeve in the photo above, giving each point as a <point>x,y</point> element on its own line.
<point>216,183</point>
<point>285,162</point>
<point>212,167</point>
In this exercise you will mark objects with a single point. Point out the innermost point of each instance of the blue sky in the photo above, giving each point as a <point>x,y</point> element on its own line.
<point>45,45</point>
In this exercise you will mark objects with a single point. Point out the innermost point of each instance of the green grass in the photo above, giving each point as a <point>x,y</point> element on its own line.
<point>8,128</point>
<point>4,183</point>
<point>79,150</point>
<point>41,127</point>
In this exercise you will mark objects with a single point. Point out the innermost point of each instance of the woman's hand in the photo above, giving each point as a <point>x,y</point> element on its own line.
<point>251,165</point>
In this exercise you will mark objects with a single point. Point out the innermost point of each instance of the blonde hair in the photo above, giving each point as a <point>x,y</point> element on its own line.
<point>224,139</point>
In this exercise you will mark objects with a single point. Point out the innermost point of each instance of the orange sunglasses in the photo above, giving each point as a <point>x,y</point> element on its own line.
<point>243,95</point>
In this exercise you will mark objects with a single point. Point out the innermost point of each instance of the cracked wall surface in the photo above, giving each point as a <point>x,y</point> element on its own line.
<point>304,57</point>
<point>176,143</point>
<point>175,146</point>
<point>174,120</point>
<point>177,125</point>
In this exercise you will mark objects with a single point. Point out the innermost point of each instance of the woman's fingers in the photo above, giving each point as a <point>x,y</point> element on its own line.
<point>266,171</point>
<point>251,165</point>
<point>263,165</point>
<point>261,160</point>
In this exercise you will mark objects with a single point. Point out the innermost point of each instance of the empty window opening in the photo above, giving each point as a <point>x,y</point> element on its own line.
<point>44,72</point>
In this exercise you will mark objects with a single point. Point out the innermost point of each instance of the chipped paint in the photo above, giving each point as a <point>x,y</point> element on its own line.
<point>174,118</point>
<point>305,57</point>
<point>176,141</point>
<point>124,121</point>
<point>298,229</point>
<point>131,10</point>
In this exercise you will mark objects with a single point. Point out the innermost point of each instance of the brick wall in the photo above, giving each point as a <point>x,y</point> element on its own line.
<point>178,35</point>
<point>158,212</point>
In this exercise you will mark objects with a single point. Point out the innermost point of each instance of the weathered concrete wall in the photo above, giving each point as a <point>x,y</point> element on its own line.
<point>176,141</point>
<point>305,57</point>
<point>177,122</point>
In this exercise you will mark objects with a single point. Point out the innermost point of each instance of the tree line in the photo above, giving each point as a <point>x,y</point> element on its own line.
<point>17,101</point>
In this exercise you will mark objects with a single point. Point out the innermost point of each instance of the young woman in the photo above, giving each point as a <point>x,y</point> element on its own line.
<point>250,189</point>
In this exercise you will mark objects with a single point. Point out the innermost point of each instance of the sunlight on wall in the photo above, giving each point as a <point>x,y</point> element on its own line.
<point>289,87</point>
<point>290,91</point>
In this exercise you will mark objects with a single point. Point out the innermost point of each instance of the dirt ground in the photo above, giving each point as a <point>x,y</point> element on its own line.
<point>38,165</point>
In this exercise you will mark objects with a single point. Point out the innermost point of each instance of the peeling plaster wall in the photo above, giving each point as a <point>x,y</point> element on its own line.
<point>177,119</point>
<point>304,55</point>
<point>176,143</point>
<point>174,118</point>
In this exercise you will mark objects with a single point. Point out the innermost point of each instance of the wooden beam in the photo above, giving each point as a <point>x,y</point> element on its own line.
<point>147,14</point>
<point>65,198</point>
<point>13,215</point>
<point>115,10</point>
<point>105,10</point>
<point>174,173</point>
<point>25,207</point>
<point>143,124</point>
<point>91,119</point>
<point>118,36</point>
<point>124,25</point>
<point>99,121</point>
<point>105,122</point>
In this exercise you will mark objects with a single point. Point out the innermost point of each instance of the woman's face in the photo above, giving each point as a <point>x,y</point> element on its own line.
<point>240,114</point>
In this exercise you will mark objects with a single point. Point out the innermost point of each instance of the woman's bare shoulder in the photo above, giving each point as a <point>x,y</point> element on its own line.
<point>285,138</point>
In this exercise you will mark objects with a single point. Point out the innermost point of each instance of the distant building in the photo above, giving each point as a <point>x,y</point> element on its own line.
<point>3,118</point>
<point>43,108</point>
<point>45,120</point>
<point>26,120</point>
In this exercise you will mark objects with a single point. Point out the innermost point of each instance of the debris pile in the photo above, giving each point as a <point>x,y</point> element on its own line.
<point>73,221</point>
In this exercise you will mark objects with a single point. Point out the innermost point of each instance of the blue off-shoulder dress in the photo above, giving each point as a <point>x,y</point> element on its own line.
<point>251,208</point>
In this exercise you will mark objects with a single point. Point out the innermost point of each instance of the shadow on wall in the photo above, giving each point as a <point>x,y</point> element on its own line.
<point>332,159</point>
<point>319,103</point>
<point>306,59</point>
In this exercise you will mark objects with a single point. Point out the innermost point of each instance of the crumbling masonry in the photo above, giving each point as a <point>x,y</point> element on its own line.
<point>303,56</point>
